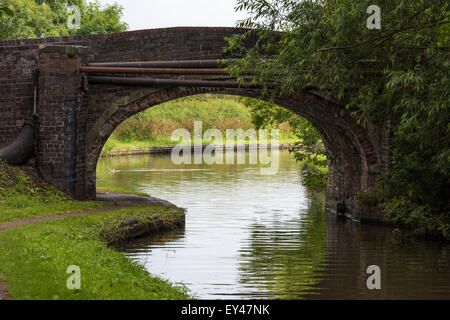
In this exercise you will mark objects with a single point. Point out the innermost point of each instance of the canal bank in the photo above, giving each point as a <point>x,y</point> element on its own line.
<point>39,243</point>
<point>168,149</point>
<point>88,241</point>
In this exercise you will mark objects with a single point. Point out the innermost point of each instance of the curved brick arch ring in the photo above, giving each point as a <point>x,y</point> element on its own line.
<point>353,161</point>
<point>41,79</point>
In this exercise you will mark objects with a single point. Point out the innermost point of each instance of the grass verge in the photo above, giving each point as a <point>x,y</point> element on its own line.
<point>118,189</point>
<point>23,195</point>
<point>35,258</point>
<point>315,176</point>
<point>114,144</point>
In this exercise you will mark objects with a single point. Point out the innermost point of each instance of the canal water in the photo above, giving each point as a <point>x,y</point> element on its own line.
<point>255,236</point>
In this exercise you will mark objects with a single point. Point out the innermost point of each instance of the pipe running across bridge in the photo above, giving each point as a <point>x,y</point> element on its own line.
<point>183,67</point>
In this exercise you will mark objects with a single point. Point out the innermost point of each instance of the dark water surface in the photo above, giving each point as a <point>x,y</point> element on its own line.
<point>251,236</point>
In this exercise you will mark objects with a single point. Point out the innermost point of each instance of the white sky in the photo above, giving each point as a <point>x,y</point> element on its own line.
<point>149,14</point>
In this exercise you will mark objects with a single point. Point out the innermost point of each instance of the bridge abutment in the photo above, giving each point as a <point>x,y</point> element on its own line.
<point>61,146</point>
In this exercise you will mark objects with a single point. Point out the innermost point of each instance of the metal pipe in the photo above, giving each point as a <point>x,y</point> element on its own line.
<point>35,102</point>
<point>171,82</point>
<point>154,71</point>
<point>21,149</point>
<point>163,64</point>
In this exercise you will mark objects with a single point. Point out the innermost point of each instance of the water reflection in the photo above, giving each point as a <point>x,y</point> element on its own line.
<point>284,257</point>
<point>253,236</point>
<point>410,269</point>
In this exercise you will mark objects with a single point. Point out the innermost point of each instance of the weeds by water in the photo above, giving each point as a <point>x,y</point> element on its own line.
<point>154,127</point>
<point>22,197</point>
<point>35,258</point>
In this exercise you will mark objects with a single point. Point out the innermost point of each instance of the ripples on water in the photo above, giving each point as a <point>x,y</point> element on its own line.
<point>251,236</point>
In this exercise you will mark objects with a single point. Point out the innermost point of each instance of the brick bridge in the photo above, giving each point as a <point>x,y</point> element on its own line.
<point>74,117</point>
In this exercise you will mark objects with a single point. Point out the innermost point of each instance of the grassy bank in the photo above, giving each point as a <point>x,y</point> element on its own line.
<point>34,258</point>
<point>315,176</point>
<point>127,146</point>
<point>24,195</point>
<point>117,189</point>
<point>154,127</point>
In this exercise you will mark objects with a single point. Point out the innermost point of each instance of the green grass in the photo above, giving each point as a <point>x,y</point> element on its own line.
<point>34,258</point>
<point>154,126</point>
<point>21,198</point>
<point>19,207</point>
<point>315,176</point>
<point>118,189</point>
<point>114,144</point>
<point>199,107</point>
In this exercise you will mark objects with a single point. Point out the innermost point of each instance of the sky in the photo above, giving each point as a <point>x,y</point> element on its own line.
<point>149,14</point>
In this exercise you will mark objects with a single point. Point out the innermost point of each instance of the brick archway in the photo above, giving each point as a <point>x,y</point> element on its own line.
<point>353,161</point>
<point>74,116</point>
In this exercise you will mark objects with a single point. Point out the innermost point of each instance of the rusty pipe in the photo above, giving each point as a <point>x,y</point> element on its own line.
<point>171,82</point>
<point>163,64</point>
<point>154,71</point>
<point>22,148</point>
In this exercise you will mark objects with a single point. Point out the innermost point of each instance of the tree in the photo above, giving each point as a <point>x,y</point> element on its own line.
<point>94,17</point>
<point>27,20</point>
<point>38,18</point>
<point>309,148</point>
<point>5,10</point>
<point>399,72</point>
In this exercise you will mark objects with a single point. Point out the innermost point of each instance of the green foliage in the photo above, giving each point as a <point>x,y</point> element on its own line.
<point>399,73</point>
<point>49,248</point>
<point>315,177</point>
<point>37,18</point>
<point>22,198</point>
<point>6,11</point>
<point>199,107</point>
<point>309,146</point>
<point>97,19</point>
<point>422,220</point>
<point>290,264</point>
<point>154,126</point>
<point>28,20</point>
<point>266,114</point>
<point>160,121</point>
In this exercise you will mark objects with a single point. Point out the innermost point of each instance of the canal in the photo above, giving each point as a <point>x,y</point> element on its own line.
<point>254,236</point>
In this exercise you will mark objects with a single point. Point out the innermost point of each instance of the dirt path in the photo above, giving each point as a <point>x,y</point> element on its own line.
<point>4,292</point>
<point>117,201</point>
<point>19,223</point>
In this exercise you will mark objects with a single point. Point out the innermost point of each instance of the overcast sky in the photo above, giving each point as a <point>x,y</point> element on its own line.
<point>148,14</point>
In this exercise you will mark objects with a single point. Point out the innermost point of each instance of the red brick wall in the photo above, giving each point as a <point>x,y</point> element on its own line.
<point>18,59</point>
<point>75,124</point>
<point>17,65</point>
<point>61,149</point>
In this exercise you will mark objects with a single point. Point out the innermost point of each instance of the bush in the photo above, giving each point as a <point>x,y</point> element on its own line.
<point>420,219</point>
<point>315,177</point>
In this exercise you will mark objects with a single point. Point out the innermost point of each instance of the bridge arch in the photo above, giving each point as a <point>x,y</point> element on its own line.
<point>74,115</point>
<point>353,162</point>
